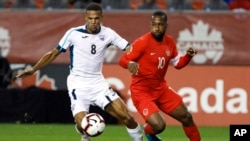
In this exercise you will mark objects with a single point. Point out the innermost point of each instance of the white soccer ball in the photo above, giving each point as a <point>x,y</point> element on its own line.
<point>93,124</point>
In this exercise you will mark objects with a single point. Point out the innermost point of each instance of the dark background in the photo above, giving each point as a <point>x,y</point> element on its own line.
<point>35,105</point>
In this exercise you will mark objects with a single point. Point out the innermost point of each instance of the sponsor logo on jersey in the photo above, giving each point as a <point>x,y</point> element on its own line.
<point>85,37</point>
<point>145,112</point>
<point>102,37</point>
<point>168,52</point>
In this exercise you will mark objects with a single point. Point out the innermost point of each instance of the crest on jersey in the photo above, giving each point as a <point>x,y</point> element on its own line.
<point>168,52</point>
<point>101,37</point>
<point>145,112</point>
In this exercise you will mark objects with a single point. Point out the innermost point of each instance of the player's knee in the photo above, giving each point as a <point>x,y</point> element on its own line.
<point>127,118</point>
<point>158,128</point>
<point>129,121</point>
<point>187,119</point>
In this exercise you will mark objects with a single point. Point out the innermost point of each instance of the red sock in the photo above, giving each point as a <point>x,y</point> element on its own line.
<point>148,129</point>
<point>192,133</point>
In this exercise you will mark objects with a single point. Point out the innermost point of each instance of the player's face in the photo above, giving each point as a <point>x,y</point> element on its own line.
<point>158,27</point>
<point>93,21</point>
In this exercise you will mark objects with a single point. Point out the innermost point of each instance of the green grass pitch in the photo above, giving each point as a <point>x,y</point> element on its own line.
<point>66,132</point>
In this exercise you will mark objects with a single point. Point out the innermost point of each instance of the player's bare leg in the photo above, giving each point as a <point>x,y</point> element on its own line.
<point>182,115</point>
<point>119,110</point>
<point>78,119</point>
<point>155,124</point>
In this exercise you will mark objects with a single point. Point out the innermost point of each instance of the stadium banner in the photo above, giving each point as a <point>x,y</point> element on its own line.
<point>215,95</point>
<point>220,38</point>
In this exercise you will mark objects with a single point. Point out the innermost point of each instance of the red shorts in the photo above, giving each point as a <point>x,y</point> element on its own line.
<point>149,102</point>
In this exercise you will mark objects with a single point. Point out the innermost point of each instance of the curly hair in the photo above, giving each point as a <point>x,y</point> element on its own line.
<point>94,6</point>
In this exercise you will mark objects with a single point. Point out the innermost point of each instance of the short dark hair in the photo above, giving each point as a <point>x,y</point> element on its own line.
<point>94,6</point>
<point>160,14</point>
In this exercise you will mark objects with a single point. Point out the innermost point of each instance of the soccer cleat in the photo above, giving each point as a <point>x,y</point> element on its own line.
<point>85,138</point>
<point>152,137</point>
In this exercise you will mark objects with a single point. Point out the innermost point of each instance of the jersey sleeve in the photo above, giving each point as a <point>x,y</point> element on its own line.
<point>179,61</point>
<point>65,41</point>
<point>123,62</point>
<point>118,41</point>
<point>136,49</point>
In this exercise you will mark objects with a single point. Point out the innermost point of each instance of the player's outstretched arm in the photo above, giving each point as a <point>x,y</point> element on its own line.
<point>46,59</point>
<point>181,61</point>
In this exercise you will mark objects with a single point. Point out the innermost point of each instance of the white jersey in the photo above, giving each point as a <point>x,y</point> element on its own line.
<point>87,50</point>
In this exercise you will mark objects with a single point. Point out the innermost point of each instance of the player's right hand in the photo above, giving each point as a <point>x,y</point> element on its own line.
<point>133,67</point>
<point>25,73</point>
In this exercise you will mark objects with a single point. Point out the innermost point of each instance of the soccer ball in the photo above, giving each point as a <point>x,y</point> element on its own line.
<point>93,124</point>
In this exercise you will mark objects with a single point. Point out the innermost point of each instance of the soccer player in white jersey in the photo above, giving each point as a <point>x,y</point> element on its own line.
<point>86,84</point>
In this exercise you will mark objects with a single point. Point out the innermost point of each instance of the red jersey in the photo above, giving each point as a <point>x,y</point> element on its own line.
<point>153,58</point>
<point>244,4</point>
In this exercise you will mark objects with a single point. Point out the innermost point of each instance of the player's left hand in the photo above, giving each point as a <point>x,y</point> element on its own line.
<point>191,52</point>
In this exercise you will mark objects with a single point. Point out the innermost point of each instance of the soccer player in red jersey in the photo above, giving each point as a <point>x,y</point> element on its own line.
<point>147,59</point>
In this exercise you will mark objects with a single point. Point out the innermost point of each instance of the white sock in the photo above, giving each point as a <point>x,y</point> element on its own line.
<point>136,133</point>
